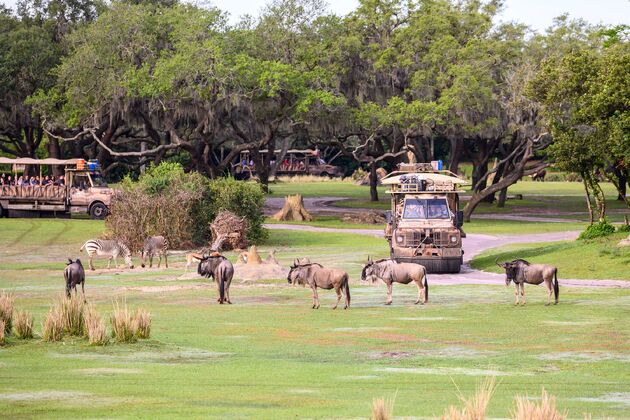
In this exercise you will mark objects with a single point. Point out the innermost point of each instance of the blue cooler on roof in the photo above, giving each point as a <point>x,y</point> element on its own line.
<point>93,165</point>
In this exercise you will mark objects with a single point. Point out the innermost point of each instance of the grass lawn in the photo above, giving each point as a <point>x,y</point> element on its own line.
<point>270,356</point>
<point>594,259</point>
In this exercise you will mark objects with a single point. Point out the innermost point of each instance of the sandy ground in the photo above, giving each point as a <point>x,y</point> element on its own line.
<point>474,244</point>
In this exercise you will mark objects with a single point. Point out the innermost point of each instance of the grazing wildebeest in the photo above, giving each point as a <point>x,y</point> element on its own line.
<point>155,245</point>
<point>315,275</point>
<point>74,274</point>
<point>111,248</point>
<point>221,269</point>
<point>391,271</point>
<point>539,176</point>
<point>520,272</point>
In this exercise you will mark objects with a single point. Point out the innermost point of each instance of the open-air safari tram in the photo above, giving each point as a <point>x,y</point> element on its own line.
<point>424,225</point>
<point>81,191</point>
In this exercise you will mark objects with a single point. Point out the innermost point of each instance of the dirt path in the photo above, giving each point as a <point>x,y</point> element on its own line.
<point>474,244</point>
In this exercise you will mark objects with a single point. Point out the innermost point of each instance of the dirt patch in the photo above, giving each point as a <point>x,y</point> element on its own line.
<point>362,329</point>
<point>427,318</point>
<point>620,398</point>
<point>584,357</point>
<point>445,352</point>
<point>388,355</point>
<point>256,272</point>
<point>44,395</point>
<point>160,289</point>
<point>108,371</point>
<point>448,371</point>
<point>571,323</point>
<point>174,356</point>
<point>302,391</point>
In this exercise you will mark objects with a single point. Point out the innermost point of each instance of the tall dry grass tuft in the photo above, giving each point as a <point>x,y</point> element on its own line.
<point>545,409</point>
<point>2,341</point>
<point>6,310</point>
<point>142,323</point>
<point>23,325</point>
<point>474,408</point>
<point>71,310</point>
<point>122,324</point>
<point>382,409</point>
<point>52,329</point>
<point>95,329</point>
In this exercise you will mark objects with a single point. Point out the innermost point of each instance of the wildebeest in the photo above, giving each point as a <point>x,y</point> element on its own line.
<point>539,176</point>
<point>111,248</point>
<point>315,275</point>
<point>391,271</point>
<point>221,269</point>
<point>74,274</point>
<point>520,272</point>
<point>155,245</point>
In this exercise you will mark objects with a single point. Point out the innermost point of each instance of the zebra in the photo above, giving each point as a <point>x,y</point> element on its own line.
<point>155,245</point>
<point>109,247</point>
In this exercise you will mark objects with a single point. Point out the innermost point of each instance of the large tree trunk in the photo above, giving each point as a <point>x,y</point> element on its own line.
<point>455,155</point>
<point>293,209</point>
<point>373,182</point>
<point>54,151</point>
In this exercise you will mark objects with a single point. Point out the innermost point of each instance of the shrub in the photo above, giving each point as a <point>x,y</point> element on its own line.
<point>95,329</point>
<point>2,327</point>
<point>358,174</point>
<point>623,228</point>
<point>572,177</point>
<point>122,324</point>
<point>475,407</point>
<point>555,177</point>
<point>597,230</point>
<point>245,199</point>
<point>23,325</point>
<point>382,409</point>
<point>168,201</point>
<point>6,310</point>
<point>71,310</point>
<point>52,330</point>
<point>142,323</point>
<point>543,410</point>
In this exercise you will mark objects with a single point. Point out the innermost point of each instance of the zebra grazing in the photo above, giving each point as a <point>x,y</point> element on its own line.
<point>155,245</point>
<point>111,248</point>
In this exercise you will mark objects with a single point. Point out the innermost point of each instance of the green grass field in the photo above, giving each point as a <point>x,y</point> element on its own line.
<point>270,356</point>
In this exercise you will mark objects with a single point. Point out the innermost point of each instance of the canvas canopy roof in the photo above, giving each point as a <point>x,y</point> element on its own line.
<point>31,161</point>
<point>440,178</point>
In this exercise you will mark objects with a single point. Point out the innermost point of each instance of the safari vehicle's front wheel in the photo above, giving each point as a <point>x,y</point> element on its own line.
<point>98,211</point>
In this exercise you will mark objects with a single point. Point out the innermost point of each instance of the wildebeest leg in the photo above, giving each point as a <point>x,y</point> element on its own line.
<point>550,290</point>
<point>227,291</point>
<point>390,285</point>
<point>315,297</point>
<point>216,279</point>
<point>522,293</point>
<point>338,291</point>
<point>516,302</point>
<point>419,285</point>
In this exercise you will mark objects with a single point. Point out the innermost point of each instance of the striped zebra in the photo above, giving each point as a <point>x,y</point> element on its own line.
<point>111,248</point>
<point>155,245</point>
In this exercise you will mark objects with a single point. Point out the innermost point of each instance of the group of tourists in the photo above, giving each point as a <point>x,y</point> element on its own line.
<point>25,180</point>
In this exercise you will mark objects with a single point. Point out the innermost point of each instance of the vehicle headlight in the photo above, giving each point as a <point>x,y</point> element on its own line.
<point>400,238</point>
<point>453,239</point>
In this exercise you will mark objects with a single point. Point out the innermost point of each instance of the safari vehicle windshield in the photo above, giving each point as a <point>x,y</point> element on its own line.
<point>421,208</point>
<point>98,180</point>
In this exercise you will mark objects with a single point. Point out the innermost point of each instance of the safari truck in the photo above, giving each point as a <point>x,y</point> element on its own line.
<point>295,162</point>
<point>424,225</point>
<point>83,190</point>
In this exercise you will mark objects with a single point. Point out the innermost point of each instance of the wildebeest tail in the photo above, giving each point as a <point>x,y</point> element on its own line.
<point>556,287</point>
<point>426,288</point>
<point>347,287</point>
